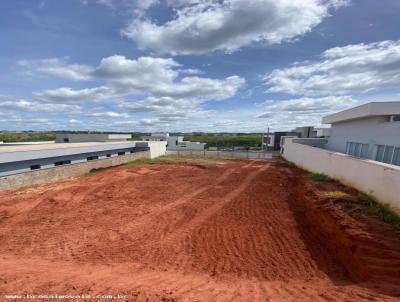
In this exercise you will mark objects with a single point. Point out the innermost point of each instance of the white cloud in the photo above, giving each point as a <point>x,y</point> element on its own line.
<point>303,111</point>
<point>127,4</point>
<point>74,122</point>
<point>69,95</point>
<point>158,77</point>
<point>108,114</point>
<point>146,76</point>
<point>58,67</point>
<point>14,104</point>
<point>204,26</point>
<point>167,107</point>
<point>156,90</point>
<point>342,70</point>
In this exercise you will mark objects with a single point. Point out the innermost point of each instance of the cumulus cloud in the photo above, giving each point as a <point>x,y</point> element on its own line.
<point>165,89</point>
<point>127,4</point>
<point>204,26</point>
<point>156,77</point>
<point>58,67</point>
<point>18,105</point>
<point>304,111</point>
<point>108,114</point>
<point>69,95</point>
<point>342,70</point>
<point>166,107</point>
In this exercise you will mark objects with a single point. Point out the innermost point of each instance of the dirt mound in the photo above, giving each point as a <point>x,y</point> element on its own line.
<point>241,231</point>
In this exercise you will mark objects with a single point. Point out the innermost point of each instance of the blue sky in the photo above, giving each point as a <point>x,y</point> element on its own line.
<point>191,65</point>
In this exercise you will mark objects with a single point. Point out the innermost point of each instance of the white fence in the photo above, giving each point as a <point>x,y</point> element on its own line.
<point>375,178</point>
<point>225,154</point>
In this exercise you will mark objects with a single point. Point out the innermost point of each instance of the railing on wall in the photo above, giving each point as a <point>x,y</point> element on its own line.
<point>224,154</point>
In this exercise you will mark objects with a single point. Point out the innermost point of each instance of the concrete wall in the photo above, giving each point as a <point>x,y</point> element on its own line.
<point>64,172</point>
<point>157,148</point>
<point>377,179</point>
<point>373,130</point>
<point>313,142</point>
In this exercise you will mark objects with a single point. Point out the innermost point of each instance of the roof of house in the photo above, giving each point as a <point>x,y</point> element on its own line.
<point>363,111</point>
<point>37,151</point>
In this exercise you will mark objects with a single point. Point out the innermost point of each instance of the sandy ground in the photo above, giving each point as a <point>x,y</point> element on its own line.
<point>240,231</point>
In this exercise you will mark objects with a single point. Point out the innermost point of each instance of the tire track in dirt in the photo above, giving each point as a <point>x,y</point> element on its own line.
<point>238,237</point>
<point>186,229</point>
<point>146,285</point>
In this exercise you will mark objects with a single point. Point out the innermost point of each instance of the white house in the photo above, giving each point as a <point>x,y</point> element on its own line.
<point>175,143</point>
<point>369,131</point>
<point>363,150</point>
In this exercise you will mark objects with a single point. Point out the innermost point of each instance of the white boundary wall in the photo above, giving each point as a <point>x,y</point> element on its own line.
<point>380,180</point>
<point>157,148</point>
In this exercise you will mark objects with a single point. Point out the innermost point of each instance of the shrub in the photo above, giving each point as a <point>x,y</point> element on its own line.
<point>321,177</point>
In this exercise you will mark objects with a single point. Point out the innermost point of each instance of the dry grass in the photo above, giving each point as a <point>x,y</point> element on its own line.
<point>337,196</point>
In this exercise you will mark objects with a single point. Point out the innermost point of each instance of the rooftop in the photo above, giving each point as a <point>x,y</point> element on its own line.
<point>52,146</point>
<point>366,110</point>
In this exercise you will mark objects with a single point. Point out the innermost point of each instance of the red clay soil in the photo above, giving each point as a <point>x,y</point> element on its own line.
<point>241,231</point>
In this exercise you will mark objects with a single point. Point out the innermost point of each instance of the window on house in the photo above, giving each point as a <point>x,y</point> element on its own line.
<point>121,153</point>
<point>357,149</point>
<point>388,154</point>
<point>35,167</point>
<point>92,157</point>
<point>108,155</point>
<point>396,156</point>
<point>395,118</point>
<point>66,140</point>
<point>364,151</point>
<point>62,162</point>
<point>380,150</point>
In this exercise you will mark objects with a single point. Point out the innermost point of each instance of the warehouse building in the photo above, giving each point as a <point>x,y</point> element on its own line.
<point>90,137</point>
<point>25,158</point>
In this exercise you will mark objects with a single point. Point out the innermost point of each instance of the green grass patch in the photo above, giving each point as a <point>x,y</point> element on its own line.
<point>374,208</point>
<point>321,177</point>
<point>96,170</point>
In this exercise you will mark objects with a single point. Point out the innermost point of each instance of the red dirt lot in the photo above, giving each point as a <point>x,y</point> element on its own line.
<point>240,231</point>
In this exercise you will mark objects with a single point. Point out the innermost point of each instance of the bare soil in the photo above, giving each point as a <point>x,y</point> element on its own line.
<point>239,231</point>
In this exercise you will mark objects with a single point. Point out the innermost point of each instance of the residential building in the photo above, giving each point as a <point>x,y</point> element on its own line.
<point>369,131</point>
<point>175,143</point>
<point>321,132</point>
<point>363,150</point>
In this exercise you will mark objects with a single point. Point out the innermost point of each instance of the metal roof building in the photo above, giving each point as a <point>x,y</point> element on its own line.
<point>23,158</point>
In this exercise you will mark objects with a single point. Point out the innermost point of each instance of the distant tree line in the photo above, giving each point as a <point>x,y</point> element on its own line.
<point>12,137</point>
<point>226,140</point>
